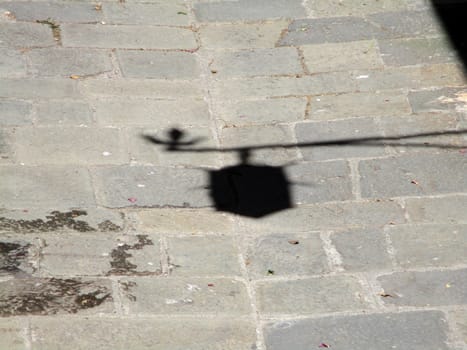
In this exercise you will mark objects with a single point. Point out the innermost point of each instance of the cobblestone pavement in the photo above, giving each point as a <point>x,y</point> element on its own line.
<point>110,242</point>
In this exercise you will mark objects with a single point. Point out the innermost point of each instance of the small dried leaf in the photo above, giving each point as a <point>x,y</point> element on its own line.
<point>98,7</point>
<point>293,241</point>
<point>415,182</point>
<point>270,272</point>
<point>75,77</point>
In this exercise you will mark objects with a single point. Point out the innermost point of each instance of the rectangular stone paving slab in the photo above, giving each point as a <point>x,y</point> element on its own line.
<point>410,330</point>
<point>143,333</point>
<point>185,296</point>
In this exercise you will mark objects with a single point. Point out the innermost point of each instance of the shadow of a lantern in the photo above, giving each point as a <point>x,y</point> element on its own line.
<point>257,190</point>
<point>250,190</point>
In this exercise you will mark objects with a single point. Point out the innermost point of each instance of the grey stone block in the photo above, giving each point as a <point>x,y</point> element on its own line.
<point>159,89</point>
<point>45,187</point>
<point>127,36</point>
<point>336,8</point>
<point>52,296</point>
<point>328,30</point>
<point>22,35</point>
<point>143,333</point>
<point>459,319</point>
<point>357,128</point>
<point>425,330</point>
<point>285,86</point>
<point>203,256</point>
<point>256,62</point>
<point>67,62</point>
<point>310,296</point>
<point>362,250</point>
<point>160,65</point>
<point>38,88</point>
<point>333,57</point>
<point>185,221</point>
<point>241,36</point>
<point>406,24</point>
<point>320,182</point>
<point>215,296</point>
<point>411,77</point>
<point>285,255</point>
<point>364,104</point>
<point>248,10</point>
<point>15,112</point>
<point>429,245</point>
<point>428,288</point>
<point>413,175</point>
<point>158,187</point>
<point>12,63</point>
<point>36,220</point>
<point>254,112</point>
<point>63,112</point>
<point>328,215</point>
<point>19,255</point>
<point>71,145</point>
<point>438,100</point>
<point>261,135</point>
<point>449,209</point>
<point>7,153</point>
<point>152,13</point>
<point>12,333</point>
<point>153,113</point>
<point>70,12</point>
<point>405,52</point>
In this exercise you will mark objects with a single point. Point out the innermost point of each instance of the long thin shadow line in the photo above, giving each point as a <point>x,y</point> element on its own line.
<point>364,141</point>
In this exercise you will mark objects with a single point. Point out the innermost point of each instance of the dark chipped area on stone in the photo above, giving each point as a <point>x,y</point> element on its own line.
<point>127,287</point>
<point>49,296</point>
<point>12,254</point>
<point>121,265</point>
<point>54,222</point>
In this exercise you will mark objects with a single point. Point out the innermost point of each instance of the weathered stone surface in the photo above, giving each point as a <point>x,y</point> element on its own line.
<point>159,65</point>
<point>333,57</point>
<point>248,10</point>
<point>70,12</point>
<point>152,113</point>
<point>413,175</point>
<point>439,100</point>
<point>13,333</point>
<point>425,288</point>
<point>160,89</point>
<point>22,35</point>
<point>310,296</point>
<point>362,250</point>
<point>185,221</point>
<point>45,187</point>
<point>15,112</point>
<point>51,296</point>
<point>363,104</point>
<point>354,129</point>
<point>63,112</point>
<point>448,209</point>
<point>7,153</point>
<point>458,318</point>
<point>12,63</point>
<point>158,187</point>
<point>285,255</point>
<point>429,245</point>
<point>127,36</point>
<point>320,182</point>
<point>404,52</point>
<point>328,215</point>
<point>143,333</point>
<point>203,256</point>
<point>335,8</point>
<point>257,62</point>
<point>150,13</point>
<point>68,62</point>
<point>38,88</point>
<point>241,36</point>
<point>185,296</point>
<point>19,255</point>
<point>417,330</point>
<point>75,145</point>
<point>270,111</point>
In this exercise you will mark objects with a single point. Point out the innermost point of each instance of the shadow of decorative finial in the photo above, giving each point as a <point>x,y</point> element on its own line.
<point>175,137</point>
